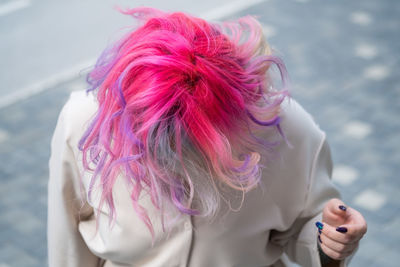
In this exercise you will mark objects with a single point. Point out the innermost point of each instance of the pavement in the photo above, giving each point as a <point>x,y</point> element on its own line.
<point>42,39</point>
<point>343,60</point>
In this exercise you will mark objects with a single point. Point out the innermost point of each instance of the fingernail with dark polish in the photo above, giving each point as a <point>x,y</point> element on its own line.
<point>341,229</point>
<point>319,225</point>
<point>319,239</point>
<point>342,207</point>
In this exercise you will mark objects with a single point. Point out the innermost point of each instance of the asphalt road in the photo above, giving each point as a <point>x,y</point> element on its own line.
<point>45,42</point>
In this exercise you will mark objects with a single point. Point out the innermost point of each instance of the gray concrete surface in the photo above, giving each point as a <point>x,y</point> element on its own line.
<point>45,39</point>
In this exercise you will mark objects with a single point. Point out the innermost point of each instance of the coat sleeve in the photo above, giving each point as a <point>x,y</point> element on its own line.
<point>300,242</point>
<point>303,248</point>
<point>66,206</point>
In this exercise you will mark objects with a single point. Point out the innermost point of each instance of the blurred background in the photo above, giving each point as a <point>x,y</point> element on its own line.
<point>342,57</point>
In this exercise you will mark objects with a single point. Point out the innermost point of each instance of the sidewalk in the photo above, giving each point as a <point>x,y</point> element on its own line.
<point>344,63</point>
<point>25,133</point>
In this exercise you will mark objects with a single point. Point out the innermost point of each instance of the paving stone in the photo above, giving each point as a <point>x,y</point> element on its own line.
<point>376,72</point>
<point>366,51</point>
<point>388,258</point>
<point>344,175</point>
<point>357,129</point>
<point>361,18</point>
<point>370,200</point>
<point>14,256</point>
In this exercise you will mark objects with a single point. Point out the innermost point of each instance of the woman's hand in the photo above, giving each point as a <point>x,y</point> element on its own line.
<point>341,229</point>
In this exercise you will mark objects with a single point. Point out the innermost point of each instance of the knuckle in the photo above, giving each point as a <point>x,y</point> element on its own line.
<point>342,248</point>
<point>336,255</point>
<point>335,200</point>
<point>348,238</point>
<point>331,253</point>
<point>364,229</point>
<point>352,236</point>
<point>357,236</point>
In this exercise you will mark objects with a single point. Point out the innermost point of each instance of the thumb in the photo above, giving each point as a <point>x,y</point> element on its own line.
<point>334,212</point>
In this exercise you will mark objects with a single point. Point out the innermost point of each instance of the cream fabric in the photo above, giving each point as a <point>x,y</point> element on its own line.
<point>276,221</point>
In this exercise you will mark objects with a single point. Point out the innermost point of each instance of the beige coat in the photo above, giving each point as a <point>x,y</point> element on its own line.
<point>276,221</point>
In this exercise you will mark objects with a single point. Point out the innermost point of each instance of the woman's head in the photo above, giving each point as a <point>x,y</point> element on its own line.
<point>178,97</point>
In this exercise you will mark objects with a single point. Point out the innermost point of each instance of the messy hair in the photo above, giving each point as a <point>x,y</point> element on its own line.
<point>178,98</point>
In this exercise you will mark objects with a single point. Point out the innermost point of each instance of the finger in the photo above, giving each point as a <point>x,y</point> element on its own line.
<point>356,218</point>
<point>354,232</point>
<point>335,212</point>
<point>333,254</point>
<point>356,225</point>
<point>339,234</point>
<point>337,206</point>
<point>330,240</point>
<point>337,246</point>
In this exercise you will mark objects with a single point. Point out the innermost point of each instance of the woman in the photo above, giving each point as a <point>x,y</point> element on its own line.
<point>184,154</point>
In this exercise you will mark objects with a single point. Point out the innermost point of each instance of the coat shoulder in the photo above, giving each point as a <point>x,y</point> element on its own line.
<point>79,111</point>
<point>298,125</point>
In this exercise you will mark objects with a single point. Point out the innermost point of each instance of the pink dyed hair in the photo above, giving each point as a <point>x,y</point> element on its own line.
<point>178,99</point>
